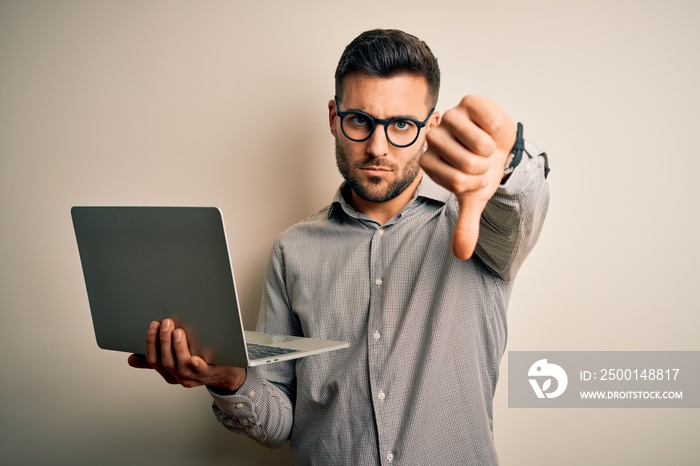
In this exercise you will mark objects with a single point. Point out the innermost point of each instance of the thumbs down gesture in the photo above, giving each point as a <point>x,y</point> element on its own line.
<point>467,153</point>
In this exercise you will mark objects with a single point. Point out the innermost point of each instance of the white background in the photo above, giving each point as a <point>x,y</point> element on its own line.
<point>224,103</point>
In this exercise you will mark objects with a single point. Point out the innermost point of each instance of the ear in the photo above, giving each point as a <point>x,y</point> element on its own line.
<point>332,115</point>
<point>434,120</point>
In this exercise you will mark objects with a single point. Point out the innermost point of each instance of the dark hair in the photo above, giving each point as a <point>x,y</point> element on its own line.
<point>387,53</point>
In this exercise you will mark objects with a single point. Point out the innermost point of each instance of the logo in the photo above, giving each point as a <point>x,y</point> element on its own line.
<point>544,371</point>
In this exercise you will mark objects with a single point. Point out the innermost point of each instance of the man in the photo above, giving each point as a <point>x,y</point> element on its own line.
<point>393,266</point>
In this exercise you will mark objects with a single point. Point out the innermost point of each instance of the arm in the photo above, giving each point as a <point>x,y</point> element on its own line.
<point>467,154</point>
<point>512,219</point>
<point>259,409</point>
<point>263,408</point>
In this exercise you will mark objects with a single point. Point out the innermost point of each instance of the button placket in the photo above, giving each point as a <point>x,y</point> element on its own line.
<point>377,350</point>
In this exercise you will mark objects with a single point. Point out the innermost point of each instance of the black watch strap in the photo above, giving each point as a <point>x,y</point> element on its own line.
<point>516,154</point>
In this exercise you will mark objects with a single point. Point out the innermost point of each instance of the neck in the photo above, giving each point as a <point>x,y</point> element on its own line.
<point>382,212</point>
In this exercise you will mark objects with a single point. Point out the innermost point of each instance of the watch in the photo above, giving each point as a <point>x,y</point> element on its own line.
<point>516,153</point>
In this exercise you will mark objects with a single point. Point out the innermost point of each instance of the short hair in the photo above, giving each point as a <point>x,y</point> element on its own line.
<point>387,53</point>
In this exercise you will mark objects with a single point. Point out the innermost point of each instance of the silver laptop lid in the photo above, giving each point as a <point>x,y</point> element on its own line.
<point>147,263</point>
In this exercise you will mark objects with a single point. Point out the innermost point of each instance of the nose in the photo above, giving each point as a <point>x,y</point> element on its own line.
<point>377,144</point>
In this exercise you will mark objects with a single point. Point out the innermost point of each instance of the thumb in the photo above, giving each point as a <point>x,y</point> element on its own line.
<point>198,364</point>
<point>466,232</point>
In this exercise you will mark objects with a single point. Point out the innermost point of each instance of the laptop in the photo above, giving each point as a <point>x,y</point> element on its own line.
<point>142,264</point>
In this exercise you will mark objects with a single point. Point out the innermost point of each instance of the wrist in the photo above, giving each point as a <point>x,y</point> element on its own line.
<point>230,382</point>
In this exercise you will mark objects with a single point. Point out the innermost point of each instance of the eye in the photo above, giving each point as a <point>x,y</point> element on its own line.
<point>403,125</point>
<point>358,120</point>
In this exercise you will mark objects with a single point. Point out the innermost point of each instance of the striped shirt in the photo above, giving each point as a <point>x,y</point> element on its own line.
<point>426,330</point>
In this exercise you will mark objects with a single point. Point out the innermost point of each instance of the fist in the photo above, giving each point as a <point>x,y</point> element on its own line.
<point>466,154</point>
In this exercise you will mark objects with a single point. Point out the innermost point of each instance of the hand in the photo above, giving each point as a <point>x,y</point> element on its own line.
<point>168,353</point>
<point>466,154</point>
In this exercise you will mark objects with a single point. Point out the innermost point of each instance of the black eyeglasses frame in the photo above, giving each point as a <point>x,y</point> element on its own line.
<point>386,123</point>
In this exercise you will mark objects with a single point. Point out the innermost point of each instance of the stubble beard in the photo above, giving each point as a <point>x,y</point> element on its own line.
<point>399,185</point>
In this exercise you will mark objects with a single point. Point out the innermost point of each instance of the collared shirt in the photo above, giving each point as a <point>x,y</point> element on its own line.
<point>426,330</point>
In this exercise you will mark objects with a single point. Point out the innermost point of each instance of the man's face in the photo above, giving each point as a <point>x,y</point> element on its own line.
<point>375,170</point>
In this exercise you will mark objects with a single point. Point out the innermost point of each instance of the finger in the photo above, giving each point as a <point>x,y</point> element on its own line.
<point>152,345</point>
<point>466,232</point>
<point>167,359</point>
<point>491,118</point>
<point>483,112</point>
<point>458,123</point>
<point>448,176</point>
<point>152,358</point>
<point>139,361</point>
<point>182,353</point>
<point>198,364</point>
<point>455,154</point>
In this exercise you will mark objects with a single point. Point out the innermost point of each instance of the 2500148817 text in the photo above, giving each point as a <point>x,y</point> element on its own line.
<point>631,374</point>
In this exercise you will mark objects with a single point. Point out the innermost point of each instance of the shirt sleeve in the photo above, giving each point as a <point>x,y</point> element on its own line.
<point>262,408</point>
<point>258,409</point>
<point>512,220</point>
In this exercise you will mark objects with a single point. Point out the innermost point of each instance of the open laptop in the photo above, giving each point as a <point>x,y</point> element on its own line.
<point>147,263</point>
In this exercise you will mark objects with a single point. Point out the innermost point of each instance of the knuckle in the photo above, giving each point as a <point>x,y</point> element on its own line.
<point>469,101</point>
<point>449,118</point>
<point>460,183</point>
<point>484,145</point>
<point>468,165</point>
<point>495,124</point>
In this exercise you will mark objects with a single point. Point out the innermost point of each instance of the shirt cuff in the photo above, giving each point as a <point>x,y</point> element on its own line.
<point>241,403</point>
<point>523,173</point>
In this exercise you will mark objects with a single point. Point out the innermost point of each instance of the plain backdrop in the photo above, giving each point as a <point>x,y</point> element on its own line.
<point>224,103</point>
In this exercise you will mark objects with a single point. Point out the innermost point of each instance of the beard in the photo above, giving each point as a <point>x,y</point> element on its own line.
<point>373,191</point>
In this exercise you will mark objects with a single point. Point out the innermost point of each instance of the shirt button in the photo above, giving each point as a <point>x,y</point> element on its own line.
<point>378,281</point>
<point>390,457</point>
<point>239,405</point>
<point>376,335</point>
<point>381,395</point>
<point>380,231</point>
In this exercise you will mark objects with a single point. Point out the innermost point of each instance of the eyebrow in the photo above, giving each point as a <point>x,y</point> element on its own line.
<point>393,117</point>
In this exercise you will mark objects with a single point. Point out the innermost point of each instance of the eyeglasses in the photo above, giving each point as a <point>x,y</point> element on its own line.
<point>359,126</point>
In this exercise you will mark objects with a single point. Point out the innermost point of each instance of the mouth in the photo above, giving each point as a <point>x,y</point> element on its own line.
<point>375,169</point>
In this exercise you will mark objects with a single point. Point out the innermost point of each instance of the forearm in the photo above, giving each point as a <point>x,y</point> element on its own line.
<point>259,409</point>
<point>513,218</point>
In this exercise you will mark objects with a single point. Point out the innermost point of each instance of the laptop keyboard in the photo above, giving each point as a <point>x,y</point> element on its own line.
<point>256,351</point>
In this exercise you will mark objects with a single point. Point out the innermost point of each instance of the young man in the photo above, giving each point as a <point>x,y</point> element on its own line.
<point>393,266</point>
